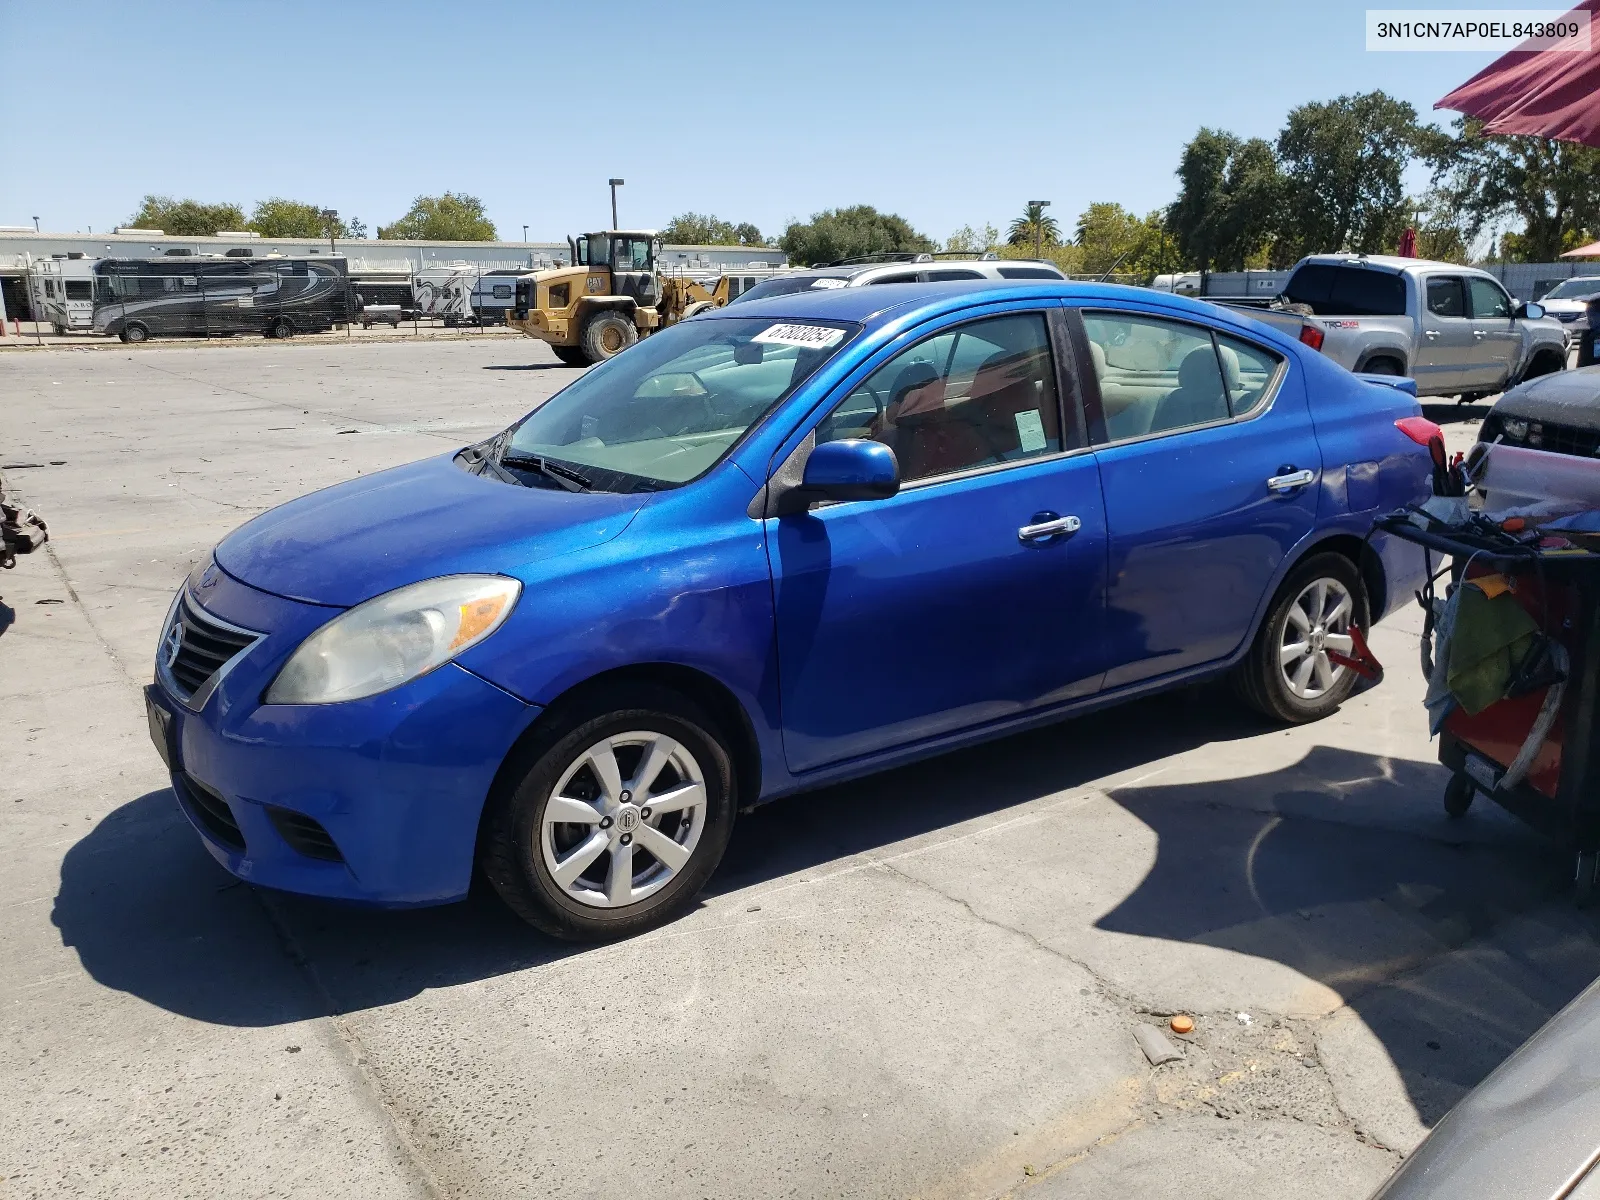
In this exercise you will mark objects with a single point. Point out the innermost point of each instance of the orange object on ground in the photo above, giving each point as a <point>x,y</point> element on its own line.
<point>1182,1024</point>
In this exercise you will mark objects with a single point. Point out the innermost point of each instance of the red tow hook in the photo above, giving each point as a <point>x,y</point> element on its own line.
<point>1361,660</point>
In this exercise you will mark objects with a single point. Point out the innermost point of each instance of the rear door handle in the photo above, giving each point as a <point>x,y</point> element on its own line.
<point>1431,334</point>
<point>1048,529</point>
<point>1478,333</point>
<point>1288,482</point>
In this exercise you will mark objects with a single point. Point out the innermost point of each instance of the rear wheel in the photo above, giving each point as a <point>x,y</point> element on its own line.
<point>618,819</point>
<point>280,329</point>
<point>1383,366</point>
<point>1287,675</point>
<point>573,356</point>
<point>134,332</point>
<point>607,335</point>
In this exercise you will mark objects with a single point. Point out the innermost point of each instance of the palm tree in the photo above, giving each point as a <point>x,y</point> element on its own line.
<point>1033,228</point>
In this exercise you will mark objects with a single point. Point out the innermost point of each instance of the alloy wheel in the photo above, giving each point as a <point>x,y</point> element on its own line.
<point>623,819</point>
<point>1318,621</point>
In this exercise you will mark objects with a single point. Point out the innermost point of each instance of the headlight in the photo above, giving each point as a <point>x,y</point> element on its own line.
<point>393,638</point>
<point>1515,428</point>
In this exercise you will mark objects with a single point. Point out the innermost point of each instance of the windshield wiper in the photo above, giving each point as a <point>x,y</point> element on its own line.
<point>566,477</point>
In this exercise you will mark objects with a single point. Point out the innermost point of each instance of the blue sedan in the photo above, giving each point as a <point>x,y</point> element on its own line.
<point>800,540</point>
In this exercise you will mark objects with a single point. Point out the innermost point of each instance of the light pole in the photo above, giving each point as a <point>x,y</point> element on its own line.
<point>615,184</point>
<point>524,234</point>
<point>36,224</point>
<point>1038,226</point>
<point>329,216</point>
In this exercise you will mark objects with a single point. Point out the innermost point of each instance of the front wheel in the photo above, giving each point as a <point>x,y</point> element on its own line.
<point>1287,675</point>
<point>607,335</point>
<point>134,332</point>
<point>573,356</point>
<point>618,821</point>
<point>280,329</point>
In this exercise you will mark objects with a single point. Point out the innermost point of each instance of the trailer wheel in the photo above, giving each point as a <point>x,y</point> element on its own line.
<point>134,332</point>
<point>573,356</point>
<point>1458,796</point>
<point>607,335</point>
<point>280,329</point>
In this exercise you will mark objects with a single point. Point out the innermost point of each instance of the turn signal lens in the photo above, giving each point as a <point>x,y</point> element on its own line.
<point>477,618</point>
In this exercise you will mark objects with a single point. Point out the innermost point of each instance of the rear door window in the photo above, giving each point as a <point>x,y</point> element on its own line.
<point>899,277</point>
<point>945,276</point>
<point>1446,297</point>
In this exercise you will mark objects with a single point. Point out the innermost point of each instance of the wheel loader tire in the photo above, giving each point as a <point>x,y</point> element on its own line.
<point>573,356</point>
<point>607,335</point>
<point>698,307</point>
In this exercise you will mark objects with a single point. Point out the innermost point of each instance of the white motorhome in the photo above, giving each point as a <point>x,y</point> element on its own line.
<point>61,291</point>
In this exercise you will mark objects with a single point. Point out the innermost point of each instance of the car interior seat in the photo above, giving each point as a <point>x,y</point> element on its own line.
<point>1199,397</point>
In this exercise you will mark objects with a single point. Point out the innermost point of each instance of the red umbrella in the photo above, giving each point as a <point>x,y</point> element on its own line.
<point>1408,244</point>
<point>1541,93</point>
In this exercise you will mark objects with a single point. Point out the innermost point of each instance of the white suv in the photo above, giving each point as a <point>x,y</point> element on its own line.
<point>901,268</point>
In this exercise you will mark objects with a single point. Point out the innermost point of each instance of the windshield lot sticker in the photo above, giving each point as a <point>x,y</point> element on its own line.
<point>810,337</point>
<point>827,281</point>
<point>1030,430</point>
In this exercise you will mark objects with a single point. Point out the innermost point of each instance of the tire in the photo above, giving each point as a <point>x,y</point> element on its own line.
<point>1284,688</point>
<point>1544,364</point>
<point>525,845</point>
<point>280,329</point>
<point>698,307</point>
<point>573,356</point>
<point>606,335</point>
<point>135,332</point>
<point>1458,796</point>
<point>1383,366</point>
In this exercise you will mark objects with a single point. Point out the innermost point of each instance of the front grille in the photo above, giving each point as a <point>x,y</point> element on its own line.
<point>204,646</point>
<point>1546,435</point>
<point>304,834</point>
<point>210,809</point>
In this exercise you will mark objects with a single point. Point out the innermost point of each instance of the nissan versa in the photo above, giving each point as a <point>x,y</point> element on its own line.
<point>802,539</point>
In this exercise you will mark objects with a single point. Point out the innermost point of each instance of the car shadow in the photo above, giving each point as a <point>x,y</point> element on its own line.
<point>1452,948</point>
<point>1341,866</point>
<point>8,616</point>
<point>1449,412</point>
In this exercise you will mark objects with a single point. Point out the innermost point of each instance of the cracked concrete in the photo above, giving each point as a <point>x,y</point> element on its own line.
<point>922,984</point>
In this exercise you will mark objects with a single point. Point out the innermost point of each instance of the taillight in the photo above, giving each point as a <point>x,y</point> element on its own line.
<point>1419,429</point>
<point>1311,335</point>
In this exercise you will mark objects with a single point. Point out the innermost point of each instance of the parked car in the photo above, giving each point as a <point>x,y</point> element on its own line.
<point>1530,1131</point>
<point>1560,413</point>
<point>780,545</point>
<point>896,268</point>
<point>1453,329</point>
<point>1568,301</point>
<point>376,314</point>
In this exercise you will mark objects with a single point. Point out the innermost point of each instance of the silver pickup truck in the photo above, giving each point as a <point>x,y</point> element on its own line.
<point>1451,328</point>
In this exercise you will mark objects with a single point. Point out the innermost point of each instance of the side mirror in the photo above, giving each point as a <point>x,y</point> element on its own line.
<point>851,469</point>
<point>1530,310</point>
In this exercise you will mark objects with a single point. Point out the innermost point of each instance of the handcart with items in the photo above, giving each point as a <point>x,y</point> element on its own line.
<point>1511,646</point>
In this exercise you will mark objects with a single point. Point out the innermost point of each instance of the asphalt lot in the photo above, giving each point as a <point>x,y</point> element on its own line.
<point>923,984</point>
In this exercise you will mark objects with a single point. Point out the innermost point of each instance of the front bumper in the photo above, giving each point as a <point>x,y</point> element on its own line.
<point>374,800</point>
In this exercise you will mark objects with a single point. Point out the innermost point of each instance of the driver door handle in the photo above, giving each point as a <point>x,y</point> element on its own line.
<point>1478,333</point>
<point>1288,482</point>
<point>1431,334</point>
<point>1050,528</point>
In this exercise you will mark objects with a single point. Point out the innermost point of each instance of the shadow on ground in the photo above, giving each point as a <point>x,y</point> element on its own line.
<point>1307,865</point>
<point>555,366</point>
<point>1452,951</point>
<point>1449,412</point>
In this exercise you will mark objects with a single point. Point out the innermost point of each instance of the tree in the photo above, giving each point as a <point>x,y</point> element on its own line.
<point>452,217</point>
<point>849,233</point>
<point>703,229</point>
<point>968,240</point>
<point>186,218</point>
<point>1033,228</point>
<point>1552,188</point>
<point>1115,241</point>
<point>280,218</point>
<point>1342,162</point>
<point>1229,197</point>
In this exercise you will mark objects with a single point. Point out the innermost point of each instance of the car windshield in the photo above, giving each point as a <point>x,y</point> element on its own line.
<point>667,410</point>
<point>1574,289</point>
<point>788,285</point>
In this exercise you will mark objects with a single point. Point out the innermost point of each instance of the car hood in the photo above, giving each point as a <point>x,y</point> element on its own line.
<point>1564,397</point>
<point>356,540</point>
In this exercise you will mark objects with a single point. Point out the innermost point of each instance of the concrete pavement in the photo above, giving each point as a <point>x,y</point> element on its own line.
<point>922,984</point>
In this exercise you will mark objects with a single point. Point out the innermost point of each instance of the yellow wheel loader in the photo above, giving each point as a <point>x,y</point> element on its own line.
<point>612,295</point>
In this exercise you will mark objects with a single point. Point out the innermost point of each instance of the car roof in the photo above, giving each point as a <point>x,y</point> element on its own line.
<point>883,302</point>
<point>1388,262</point>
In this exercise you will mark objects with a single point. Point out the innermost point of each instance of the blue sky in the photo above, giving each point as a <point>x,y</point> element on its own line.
<point>946,113</point>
